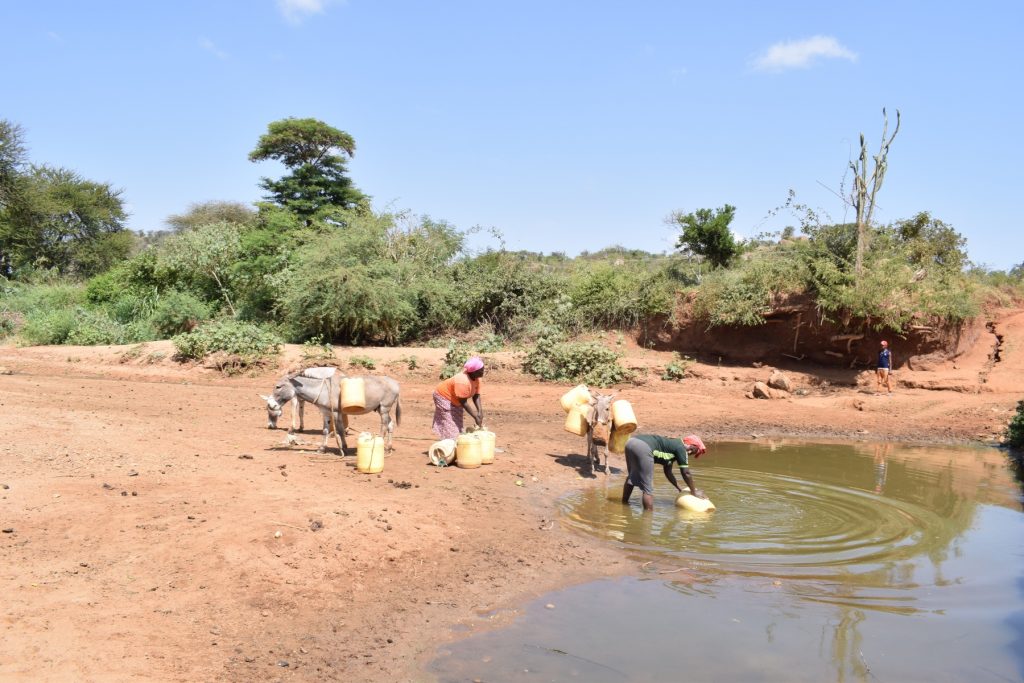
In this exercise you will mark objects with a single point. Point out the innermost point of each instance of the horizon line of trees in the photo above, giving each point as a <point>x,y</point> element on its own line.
<point>315,260</point>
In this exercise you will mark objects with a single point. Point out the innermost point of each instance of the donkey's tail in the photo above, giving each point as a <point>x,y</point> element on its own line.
<point>398,411</point>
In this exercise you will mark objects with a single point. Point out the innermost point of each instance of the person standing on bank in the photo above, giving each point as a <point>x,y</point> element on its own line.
<point>643,450</point>
<point>456,394</point>
<point>884,370</point>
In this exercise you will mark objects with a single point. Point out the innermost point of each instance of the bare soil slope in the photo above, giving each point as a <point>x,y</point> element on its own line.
<point>155,530</point>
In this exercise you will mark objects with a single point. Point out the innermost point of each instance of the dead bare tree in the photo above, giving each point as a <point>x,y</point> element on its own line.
<point>865,189</point>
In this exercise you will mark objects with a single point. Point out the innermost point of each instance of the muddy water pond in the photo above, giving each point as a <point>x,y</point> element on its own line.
<point>868,562</point>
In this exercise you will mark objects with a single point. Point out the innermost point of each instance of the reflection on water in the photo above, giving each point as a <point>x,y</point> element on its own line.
<point>829,562</point>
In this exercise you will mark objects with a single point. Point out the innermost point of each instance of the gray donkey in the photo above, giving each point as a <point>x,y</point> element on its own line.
<point>599,429</point>
<point>382,393</point>
<point>274,409</point>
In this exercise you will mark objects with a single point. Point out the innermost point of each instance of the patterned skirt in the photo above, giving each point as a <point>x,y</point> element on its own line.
<point>447,417</point>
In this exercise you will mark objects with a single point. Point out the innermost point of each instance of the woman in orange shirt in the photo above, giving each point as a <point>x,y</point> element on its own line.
<point>458,393</point>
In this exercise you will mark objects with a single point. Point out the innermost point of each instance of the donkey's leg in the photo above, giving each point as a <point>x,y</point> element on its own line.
<point>385,426</point>
<point>590,449</point>
<point>325,413</point>
<point>302,413</point>
<point>339,435</point>
<point>607,469</point>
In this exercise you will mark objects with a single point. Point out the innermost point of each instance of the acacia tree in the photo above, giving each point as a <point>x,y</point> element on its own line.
<point>315,154</point>
<point>865,188</point>
<point>59,220</point>
<point>706,232</point>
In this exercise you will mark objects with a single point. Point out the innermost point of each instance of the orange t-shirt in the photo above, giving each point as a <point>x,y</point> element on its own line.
<point>458,387</point>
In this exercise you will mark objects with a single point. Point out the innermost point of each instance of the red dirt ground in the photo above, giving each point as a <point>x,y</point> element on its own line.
<point>141,498</point>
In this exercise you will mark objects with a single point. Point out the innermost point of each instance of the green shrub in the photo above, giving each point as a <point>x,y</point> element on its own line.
<point>362,362</point>
<point>30,299</point>
<point>744,295</point>
<point>315,351</point>
<point>411,362</point>
<point>587,362</point>
<point>677,369</point>
<point>178,312</point>
<point>610,296</point>
<point>458,353</point>
<point>93,328</point>
<point>1015,430</point>
<point>10,321</point>
<point>250,343</point>
<point>505,291</point>
<point>48,326</point>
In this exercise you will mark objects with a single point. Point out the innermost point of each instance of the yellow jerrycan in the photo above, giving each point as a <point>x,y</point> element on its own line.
<point>487,440</point>
<point>576,421</point>
<point>574,397</point>
<point>623,416</point>
<point>468,453</point>
<point>617,441</point>
<point>688,501</point>
<point>370,453</point>
<point>353,395</point>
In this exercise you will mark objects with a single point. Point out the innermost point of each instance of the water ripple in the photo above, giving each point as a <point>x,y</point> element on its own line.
<point>765,524</point>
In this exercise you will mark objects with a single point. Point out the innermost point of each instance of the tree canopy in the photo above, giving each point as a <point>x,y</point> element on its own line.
<point>316,155</point>
<point>705,232</point>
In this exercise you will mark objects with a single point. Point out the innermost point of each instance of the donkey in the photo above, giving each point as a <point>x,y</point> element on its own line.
<point>599,429</point>
<point>275,409</point>
<point>382,393</point>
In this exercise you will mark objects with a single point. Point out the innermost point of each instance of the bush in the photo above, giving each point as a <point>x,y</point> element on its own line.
<point>93,328</point>
<point>745,295</point>
<point>677,369</point>
<point>609,296</point>
<point>504,291</point>
<point>316,351</point>
<point>362,362</point>
<point>1015,430</point>
<point>31,299</point>
<point>250,343</point>
<point>48,326</point>
<point>458,353</point>
<point>178,312</point>
<point>586,362</point>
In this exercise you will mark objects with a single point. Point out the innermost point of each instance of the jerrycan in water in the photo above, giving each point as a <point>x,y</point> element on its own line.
<point>688,501</point>
<point>578,395</point>
<point>468,453</point>
<point>370,453</point>
<point>487,440</point>
<point>353,395</point>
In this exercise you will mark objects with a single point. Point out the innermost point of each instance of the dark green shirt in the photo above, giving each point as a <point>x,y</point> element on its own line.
<point>666,449</point>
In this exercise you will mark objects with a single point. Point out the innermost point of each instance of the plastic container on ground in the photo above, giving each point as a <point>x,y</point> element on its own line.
<point>468,453</point>
<point>487,440</point>
<point>370,453</point>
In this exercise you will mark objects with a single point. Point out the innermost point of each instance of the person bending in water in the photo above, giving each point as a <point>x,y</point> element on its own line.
<point>642,450</point>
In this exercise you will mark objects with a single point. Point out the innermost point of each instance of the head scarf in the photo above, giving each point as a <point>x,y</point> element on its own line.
<point>473,364</point>
<point>694,440</point>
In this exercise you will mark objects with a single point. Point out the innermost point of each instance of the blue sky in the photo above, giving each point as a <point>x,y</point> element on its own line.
<point>565,125</point>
